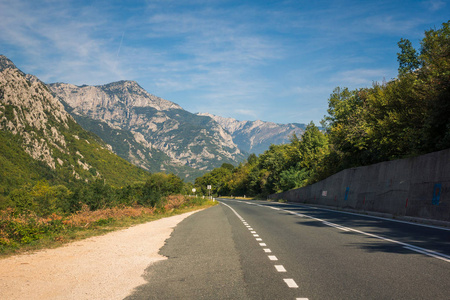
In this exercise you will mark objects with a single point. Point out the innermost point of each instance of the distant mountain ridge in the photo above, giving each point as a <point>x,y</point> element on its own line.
<point>257,136</point>
<point>160,133</point>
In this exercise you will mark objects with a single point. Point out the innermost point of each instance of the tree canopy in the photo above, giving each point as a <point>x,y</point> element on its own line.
<point>405,117</point>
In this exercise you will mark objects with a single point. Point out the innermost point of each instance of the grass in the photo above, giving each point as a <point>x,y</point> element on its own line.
<point>27,233</point>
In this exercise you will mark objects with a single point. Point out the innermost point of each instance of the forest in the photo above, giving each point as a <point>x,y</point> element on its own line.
<point>405,117</point>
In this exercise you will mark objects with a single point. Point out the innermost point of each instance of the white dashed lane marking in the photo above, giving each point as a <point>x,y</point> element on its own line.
<point>280,268</point>
<point>291,283</point>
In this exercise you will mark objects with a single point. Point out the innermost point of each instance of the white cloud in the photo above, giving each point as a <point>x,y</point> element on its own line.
<point>435,5</point>
<point>260,58</point>
<point>360,77</point>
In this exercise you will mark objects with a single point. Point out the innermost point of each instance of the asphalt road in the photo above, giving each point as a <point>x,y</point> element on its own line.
<point>267,250</point>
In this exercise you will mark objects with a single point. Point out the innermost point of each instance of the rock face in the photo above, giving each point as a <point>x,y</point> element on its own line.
<point>39,136</point>
<point>257,136</point>
<point>28,109</point>
<point>156,127</point>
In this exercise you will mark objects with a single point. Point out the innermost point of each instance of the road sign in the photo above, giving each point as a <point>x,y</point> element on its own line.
<point>208,187</point>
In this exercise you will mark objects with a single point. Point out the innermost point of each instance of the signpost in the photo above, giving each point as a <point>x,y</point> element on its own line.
<point>209,189</point>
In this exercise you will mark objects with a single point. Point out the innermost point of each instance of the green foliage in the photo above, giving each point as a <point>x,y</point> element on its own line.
<point>19,229</point>
<point>407,58</point>
<point>159,185</point>
<point>405,117</point>
<point>218,179</point>
<point>279,168</point>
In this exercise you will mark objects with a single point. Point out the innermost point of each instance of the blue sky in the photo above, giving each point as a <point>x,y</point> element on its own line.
<point>270,60</point>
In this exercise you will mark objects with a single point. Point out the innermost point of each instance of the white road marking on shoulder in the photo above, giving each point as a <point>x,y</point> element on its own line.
<point>336,226</point>
<point>424,251</point>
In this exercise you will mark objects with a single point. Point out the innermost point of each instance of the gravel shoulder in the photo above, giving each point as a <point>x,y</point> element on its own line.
<point>103,267</point>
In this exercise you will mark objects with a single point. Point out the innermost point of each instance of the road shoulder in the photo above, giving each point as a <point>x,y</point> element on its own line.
<point>102,267</point>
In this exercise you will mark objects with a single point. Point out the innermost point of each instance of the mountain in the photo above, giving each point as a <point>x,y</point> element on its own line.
<point>147,130</point>
<point>40,140</point>
<point>257,136</point>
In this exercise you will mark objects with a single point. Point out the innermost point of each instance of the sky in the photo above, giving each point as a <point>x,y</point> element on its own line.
<point>275,61</point>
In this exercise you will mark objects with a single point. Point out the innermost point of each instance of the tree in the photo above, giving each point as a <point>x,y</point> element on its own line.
<point>433,86</point>
<point>407,58</point>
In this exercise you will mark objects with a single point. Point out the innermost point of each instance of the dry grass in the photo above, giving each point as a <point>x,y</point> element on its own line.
<point>28,232</point>
<point>86,218</point>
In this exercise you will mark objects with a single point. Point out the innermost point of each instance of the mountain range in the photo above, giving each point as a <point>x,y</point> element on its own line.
<point>148,131</point>
<point>39,139</point>
<point>257,136</point>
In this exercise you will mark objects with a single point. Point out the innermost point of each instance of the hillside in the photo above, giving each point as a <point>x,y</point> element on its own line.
<point>150,131</point>
<point>257,136</point>
<point>40,140</point>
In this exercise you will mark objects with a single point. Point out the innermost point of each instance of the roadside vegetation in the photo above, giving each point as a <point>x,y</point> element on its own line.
<point>41,215</point>
<point>405,117</point>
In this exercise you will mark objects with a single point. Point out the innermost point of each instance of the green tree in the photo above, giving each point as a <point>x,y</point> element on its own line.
<point>433,87</point>
<point>407,57</point>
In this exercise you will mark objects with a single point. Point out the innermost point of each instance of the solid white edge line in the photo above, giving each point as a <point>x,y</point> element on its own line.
<point>373,217</point>
<point>424,251</point>
<point>335,226</point>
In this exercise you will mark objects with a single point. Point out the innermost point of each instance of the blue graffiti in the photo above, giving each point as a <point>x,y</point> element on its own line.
<point>436,194</point>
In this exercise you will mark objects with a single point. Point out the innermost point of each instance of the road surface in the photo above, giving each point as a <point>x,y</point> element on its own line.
<point>267,250</point>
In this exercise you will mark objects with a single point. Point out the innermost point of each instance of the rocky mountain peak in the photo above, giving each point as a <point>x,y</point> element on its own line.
<point>5,63</point>
<point>257,136</point>
<point>28,109</point>
<point>124,93</point>
<point>154,123</point>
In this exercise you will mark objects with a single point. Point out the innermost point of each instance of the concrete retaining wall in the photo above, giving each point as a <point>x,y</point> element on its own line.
<point>414,187</point>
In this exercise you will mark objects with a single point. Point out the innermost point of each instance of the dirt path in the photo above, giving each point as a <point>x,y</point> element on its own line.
<point>103,267</point>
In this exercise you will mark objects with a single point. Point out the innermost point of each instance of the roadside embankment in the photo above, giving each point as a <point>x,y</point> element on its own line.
<point>102,267</point>
<point>416,187</point>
